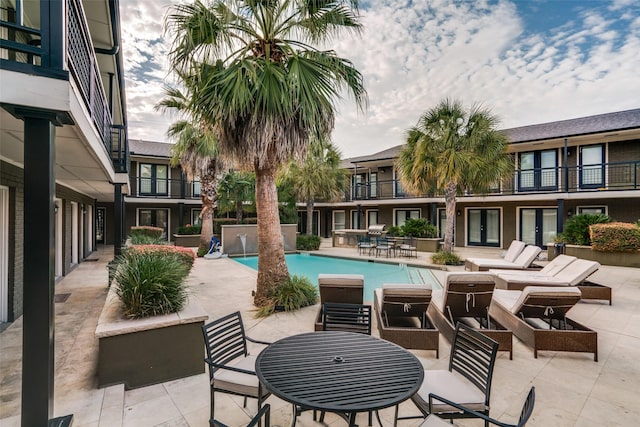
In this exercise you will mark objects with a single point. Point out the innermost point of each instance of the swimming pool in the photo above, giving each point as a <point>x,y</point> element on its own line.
<point>375,273</point>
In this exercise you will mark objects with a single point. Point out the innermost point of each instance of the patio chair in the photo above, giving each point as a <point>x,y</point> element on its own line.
<point>573,274</point>
<point>537,315</point>
<point>525,413</point>
<point>231,367</point>
<point>401,313</point>
<point>264,412</point>
<point>408,247</point>
<point>385,245</point>
<point>465,298</point>
<point>365,243</point>
<point>466,382</point>
<point>521,262</point>
<point>346,318</point>
<point>515,248</point>
<point>553,267</point>
<point>341,288</point>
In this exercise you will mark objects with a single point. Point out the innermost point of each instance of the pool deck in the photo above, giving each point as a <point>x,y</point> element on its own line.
<point>571,389</point>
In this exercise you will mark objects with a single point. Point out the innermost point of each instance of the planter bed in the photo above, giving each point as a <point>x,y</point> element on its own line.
<point>141,352</point>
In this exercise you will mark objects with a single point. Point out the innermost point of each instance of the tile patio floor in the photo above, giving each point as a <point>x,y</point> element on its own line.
<point>571,389</point>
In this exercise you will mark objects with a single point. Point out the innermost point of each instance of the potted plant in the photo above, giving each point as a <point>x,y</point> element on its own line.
<point>149,331</point>
<point>426,234</point>
<point>188,235</point>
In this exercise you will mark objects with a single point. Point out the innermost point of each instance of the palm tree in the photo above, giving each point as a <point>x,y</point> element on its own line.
<point>318,177</point>
<point>452,150</point>
<point>236,188</point>
<point>267,91</point>
<point>196,152</point>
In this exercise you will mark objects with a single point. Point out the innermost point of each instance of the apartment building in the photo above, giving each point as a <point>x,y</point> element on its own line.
<point>584,165</point>
<point>63,152</point>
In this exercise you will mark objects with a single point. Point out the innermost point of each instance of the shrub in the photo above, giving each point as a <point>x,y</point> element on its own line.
<point>203,249</point>
<point>419,227</point>
<point>305,242</point>
<point>143,239</point>
<point>615,237</point>
<point>150,284</point>
<point>147,230</point>
<point>393,231</point>
<point>184,255</point>
<point>576,230</point>
<point>446,258</point>
<point>295,293</point>
<point>189,229</point>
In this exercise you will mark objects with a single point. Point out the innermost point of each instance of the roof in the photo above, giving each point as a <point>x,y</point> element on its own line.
<point>389,153</point>
<point>138,147</point>
<point>609,122</point>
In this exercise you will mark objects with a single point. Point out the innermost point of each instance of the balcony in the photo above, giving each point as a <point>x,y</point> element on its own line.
<point>161,188</point>
<point>573,179</point>
<point>31,43</point>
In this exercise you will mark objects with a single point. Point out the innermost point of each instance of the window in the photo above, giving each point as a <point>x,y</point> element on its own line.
<point>196,187</point>
<point>354,220</point>
<point>339,220</point>
<point>442,223</point>
<point>154,179</point>
<point>195,216</point>
<point>592,210</point>
<point>372,218</point>
<point>373,184</point>
<point>402,215</point>
<point>592,166</point>
<point>155,218</point>
<point>538,170</point>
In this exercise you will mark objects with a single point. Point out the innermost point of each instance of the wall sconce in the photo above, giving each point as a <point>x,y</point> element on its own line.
<point>381,170</point>
<point>459,212</point>
<point>55,208</point>
<point>569,212</point>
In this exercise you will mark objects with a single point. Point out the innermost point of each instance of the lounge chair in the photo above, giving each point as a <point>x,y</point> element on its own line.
<point>339,288</point>
<point>573,274</point>
<point>465,298</point>
<point>553,267</point>
<point>521,262</point>
<point>401,312</point>
<point>515,248</point>
<point>537,315</point>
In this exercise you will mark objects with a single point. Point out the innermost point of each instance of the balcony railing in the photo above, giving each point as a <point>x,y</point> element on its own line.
<point>162,188</point>
<point>607,176</point>
<point>20,43</point>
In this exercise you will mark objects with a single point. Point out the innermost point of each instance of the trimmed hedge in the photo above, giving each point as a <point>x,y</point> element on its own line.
<point>189,229</point>
<point>615,237</point>
<point>305,242</point>
<point>146,230</point>
<point>576,230</point>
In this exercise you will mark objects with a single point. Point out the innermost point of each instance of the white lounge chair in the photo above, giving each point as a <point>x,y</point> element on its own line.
<point>522,261</point>
<point>515,248</point>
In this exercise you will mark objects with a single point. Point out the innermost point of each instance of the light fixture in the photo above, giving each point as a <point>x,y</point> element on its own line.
<point>55,207</point>
<point>569,212</point>
<point>459,212</point>
<point>381,170</point>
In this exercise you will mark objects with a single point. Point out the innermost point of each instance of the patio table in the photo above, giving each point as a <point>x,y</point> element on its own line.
<point>340,372</point>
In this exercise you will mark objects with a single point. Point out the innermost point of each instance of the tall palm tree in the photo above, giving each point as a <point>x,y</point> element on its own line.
<point>452,150</point>
<point>196,152</point>
<point>317,177</point>
<point>268,91</point>
<point>236,188</point>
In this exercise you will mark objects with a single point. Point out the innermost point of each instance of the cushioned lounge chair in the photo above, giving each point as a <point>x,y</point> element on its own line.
<point>522,261</point>
<point>465,298</point>
<point>515,248</point>
<point>553,267</point>
<point>340,288</point>
<point>401,312</point>
<point>537,315</point>
<point>573,274</point>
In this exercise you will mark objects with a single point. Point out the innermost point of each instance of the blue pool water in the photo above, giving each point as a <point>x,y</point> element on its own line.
<point>375,273</point>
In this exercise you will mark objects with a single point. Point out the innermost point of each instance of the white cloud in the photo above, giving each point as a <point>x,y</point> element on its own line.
<point>412,57</point>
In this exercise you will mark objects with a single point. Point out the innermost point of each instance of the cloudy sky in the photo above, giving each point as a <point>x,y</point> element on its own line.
<point>529,61</point>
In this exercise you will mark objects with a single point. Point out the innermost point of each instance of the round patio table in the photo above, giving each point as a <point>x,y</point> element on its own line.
<point>341,372</point>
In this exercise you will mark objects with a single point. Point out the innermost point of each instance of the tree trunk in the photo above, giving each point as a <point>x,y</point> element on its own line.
<point>208,195</point>
<point>450,203</point>
<point>239,210</point>
<point>272,267</point>
<point>309,217</point>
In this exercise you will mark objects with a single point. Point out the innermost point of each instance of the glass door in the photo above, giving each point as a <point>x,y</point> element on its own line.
<point>538,226</point>
<point>483,227</point>
<point>592,166</point>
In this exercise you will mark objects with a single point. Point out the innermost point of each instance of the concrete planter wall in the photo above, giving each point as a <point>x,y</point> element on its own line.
<point>187,240</point>
<point>428,245</point>
<point>151,350</point>
<point>243,239</point>
<point>621,259</point>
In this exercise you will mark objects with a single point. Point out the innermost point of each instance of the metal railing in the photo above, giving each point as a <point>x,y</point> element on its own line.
<point>22,44</point>
<point>164,188</point>
<point>602,177</point>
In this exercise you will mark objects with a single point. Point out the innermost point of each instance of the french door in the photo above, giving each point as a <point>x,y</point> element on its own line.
<point>538,226</point>
<point>483,227</point>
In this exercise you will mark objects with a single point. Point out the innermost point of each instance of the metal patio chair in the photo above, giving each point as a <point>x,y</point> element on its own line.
<point>525,413</point>
<point>231,367</point>
<point>467,382</point>
<point>264,412</point>
<point>346,317</point>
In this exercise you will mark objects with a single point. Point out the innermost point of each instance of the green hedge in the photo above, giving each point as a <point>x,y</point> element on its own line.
<point>307,243</point>
<point>146,230</point>
<point>576,230</point>
<point>189,229</point>
<point>615,237</point>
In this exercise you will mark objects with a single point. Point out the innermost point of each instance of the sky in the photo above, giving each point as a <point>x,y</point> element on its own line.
<point>527,61</point>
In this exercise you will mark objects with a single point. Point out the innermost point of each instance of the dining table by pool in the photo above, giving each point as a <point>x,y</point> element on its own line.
<point>340,372</point>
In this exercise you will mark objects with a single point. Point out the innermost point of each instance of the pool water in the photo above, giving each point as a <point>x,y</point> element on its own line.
<point>375,273</point>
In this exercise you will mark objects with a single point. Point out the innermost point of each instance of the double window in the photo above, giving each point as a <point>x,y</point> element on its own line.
<point>154,179</point>
<point>538,170</point>
<point>402,215</point>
